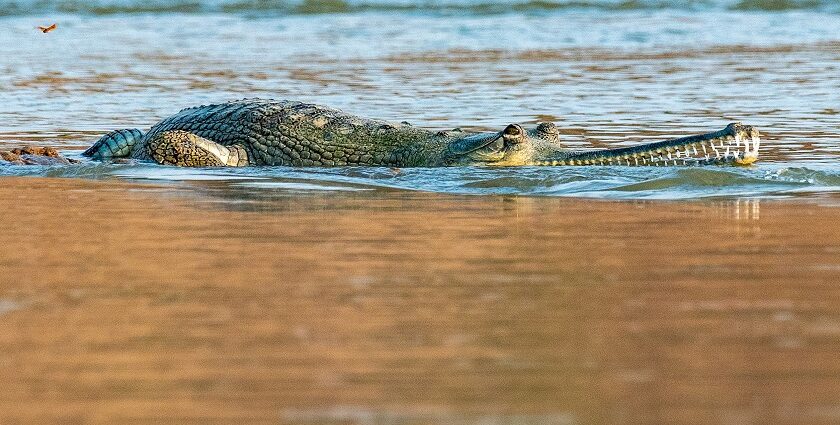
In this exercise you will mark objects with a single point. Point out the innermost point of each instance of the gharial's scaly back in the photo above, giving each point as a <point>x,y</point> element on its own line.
<point>296,133</point>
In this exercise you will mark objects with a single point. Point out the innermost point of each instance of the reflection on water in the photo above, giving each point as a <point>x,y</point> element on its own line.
<point>743,216</point>
<point>748,210</point>
<point>7,306</point>
<point>154,304</point>
<point>357,415</point>
<point>739,210</point>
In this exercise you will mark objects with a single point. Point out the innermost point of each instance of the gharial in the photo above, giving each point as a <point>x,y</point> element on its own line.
<point>270,132</point>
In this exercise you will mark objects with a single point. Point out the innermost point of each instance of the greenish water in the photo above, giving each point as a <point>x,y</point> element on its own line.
<point>775,181</point>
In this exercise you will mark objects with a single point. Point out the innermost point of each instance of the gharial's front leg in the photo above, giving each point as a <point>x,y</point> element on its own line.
<point>185,149</point>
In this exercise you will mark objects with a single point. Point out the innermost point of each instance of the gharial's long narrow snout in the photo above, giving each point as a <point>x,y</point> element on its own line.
<point>735,144</point>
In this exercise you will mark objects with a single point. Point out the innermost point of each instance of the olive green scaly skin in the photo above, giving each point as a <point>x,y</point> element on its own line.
<point>299,134</point>
<point>269,132</point>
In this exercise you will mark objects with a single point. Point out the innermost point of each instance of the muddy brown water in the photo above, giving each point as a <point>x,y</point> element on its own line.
<point>130,303</point>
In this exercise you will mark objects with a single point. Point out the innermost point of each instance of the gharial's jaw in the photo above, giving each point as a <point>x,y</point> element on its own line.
<point>736,144</point>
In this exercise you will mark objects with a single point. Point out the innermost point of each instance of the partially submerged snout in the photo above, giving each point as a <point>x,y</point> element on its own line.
<point>737,144</point>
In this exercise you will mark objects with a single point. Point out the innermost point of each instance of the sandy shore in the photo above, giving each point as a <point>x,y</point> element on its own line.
<point>123,303</point>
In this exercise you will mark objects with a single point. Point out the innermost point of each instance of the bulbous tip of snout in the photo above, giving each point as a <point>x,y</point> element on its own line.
<point>747,140</point>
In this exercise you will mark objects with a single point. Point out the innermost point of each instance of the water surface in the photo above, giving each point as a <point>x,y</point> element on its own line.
<point>148,304</point>
<point>609,73</point>
<point>136,293</point>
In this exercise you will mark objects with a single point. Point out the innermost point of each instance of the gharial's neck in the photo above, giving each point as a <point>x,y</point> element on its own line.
<point>420,147</point>
<point>396,145</point>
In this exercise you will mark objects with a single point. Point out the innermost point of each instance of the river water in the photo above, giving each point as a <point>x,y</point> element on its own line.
<point>608,73</point>
<point>148,294</point>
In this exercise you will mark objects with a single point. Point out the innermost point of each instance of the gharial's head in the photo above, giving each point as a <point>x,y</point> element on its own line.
<point>510,147</point>
<point>737,144</point>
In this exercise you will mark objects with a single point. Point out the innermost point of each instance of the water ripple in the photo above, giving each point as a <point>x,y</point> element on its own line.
<point>307,7</point>
<point>766,180</point>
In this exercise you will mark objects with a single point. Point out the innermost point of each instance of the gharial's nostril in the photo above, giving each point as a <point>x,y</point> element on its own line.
<point>513,133</point>
<point>513,130</point>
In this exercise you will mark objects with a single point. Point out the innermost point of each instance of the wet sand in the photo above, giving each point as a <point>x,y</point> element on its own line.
<point>128,303</point>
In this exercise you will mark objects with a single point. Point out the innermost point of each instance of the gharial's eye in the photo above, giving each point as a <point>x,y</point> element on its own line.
<point>547,127</point>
